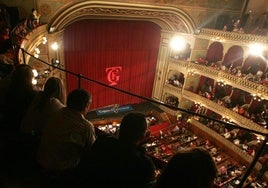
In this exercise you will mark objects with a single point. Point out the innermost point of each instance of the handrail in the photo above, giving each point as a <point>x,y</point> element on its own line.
<point>80,76</point>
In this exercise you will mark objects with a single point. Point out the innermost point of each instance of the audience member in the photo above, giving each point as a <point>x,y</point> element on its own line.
<point>46,103</point>
<point>34,19</point>
<point>17,92</point>
<point>5,41</point>
<point>192,168</point>
<point>18,97</point>
<point>67,136</point>
<point>4,85</point>
<point>122,162</point>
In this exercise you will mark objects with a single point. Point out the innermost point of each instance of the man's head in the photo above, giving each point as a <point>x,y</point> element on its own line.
<point>79,100</point>
<point>23,74</point>
<point>133,128</point>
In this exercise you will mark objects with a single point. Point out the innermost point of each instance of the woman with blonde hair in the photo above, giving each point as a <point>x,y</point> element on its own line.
<point>46,103</point>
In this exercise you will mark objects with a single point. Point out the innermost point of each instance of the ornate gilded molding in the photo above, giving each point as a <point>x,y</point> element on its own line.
<point>33,39</point>
<point>168,18</point>
<point>173,89</point>
<point>235,117</point>
<point>215,74</point>
<point>222,36</point>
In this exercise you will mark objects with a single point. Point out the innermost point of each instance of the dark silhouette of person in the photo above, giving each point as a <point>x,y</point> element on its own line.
<point>191,168</point>
<point>121,162</point>
<point>66,136</point>
<point>18,96</point>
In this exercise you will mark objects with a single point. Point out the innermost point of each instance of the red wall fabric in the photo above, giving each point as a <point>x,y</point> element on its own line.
<point>93,47</point>
<point>251,60</point>
<point>214,52</point>
<point>234,56</point>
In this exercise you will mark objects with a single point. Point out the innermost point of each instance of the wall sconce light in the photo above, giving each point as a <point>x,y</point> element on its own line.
<point>198,104</point>
<point>260,138</point>
<point>191,72</point>
<point>35,75</point>
<point>258,97</point>
<point>226,119</point>
<point>46,71</point>
<point>55,62</point>
<point>55,46</point>
<point>36,52</point>
<point>178,44</point>
<point>44,40</point>
<point>221,83</point>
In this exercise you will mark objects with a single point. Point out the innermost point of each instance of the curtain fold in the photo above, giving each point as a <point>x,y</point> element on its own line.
<point>122,54</point>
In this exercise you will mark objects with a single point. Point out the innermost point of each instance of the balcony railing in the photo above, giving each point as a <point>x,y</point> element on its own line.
<point>223,111</point>
<point>231,36</point>
<point>235,81</point>
<point>226,143</point>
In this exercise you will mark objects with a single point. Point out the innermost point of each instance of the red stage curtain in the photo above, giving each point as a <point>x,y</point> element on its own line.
<point>93,47</point>
<point>214,52</point>
<point>234,57</point>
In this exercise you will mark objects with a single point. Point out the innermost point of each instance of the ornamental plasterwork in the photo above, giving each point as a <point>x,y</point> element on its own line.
<point>220,36</point>
<point>171,19</point>
<point>227,4</point>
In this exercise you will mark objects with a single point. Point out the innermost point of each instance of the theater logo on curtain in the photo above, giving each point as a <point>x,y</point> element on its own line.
<point>113,75</point>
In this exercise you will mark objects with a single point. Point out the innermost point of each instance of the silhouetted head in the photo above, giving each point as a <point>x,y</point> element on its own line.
<point>192,168</point>
<point>23,73</point>
<point>79,100</point>
<point>54,88</point>
<point>132,128</point>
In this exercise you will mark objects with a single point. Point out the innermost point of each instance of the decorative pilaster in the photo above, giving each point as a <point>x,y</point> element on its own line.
<point>162,65</point>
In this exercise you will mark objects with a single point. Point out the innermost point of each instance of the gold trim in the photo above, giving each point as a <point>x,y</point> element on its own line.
<point>168,18</point>
<point>234,37</point>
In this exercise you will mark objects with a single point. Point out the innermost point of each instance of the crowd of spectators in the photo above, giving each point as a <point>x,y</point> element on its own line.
<point>12,32</point>
<point>176,80</point>
<point>243,103</point>
<point>245,140</point>
<point>44,137</point>
<point>172,100</point>
<point>63,137</point>
<point>253,72</point>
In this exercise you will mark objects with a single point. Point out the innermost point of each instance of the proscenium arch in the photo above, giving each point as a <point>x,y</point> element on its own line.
<point>168,18</point>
